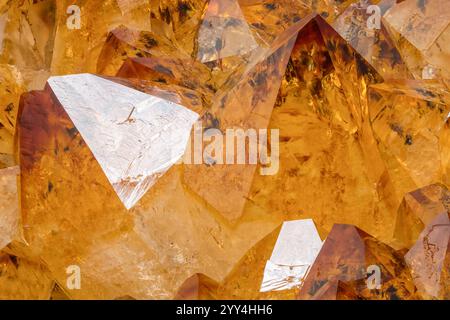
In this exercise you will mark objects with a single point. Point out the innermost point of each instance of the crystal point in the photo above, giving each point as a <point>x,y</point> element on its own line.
<point>295,250</point>
<point>134,136</point>
<point>224,149</point>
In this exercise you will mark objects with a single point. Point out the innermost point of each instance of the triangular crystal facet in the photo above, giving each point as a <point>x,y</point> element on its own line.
<point>134,136</point>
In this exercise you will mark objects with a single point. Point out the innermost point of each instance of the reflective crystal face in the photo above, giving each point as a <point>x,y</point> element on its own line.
<point>428,258</point>
<point>347,259</point>
<point>359,25</point>
<point>410,123</point>
<point>224,32</point>
<point>134,136</point>
<point>295,250</point>
<point>421,31</point>
<point>224,149</point>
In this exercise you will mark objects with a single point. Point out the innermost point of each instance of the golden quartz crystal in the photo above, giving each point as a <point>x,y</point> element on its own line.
<point>224,149</point>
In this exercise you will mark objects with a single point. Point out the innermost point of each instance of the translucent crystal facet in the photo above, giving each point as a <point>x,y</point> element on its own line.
<point>224,149</point>
<point>342,265</point>
<point>134,136</point>
<point>296,249</point>
<point>224,32</point>
<point>10,215</point>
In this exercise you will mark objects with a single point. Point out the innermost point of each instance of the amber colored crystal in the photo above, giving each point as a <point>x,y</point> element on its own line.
<point>410,122</point>
<point>329,9</point>
<point>375,45</point>
<point>197,287</point>
<point>98,169</point>
<point>243,282</point>
<point>27,36</point>
<point>22,279</point>
<point>6,148</point>
<point>255,101</point>
<point>140,245</point>
<point>429,258</point>
<point>341,269</point>
<point>124,42</point>
<point>178,20</point>
<point>58,293</point>
<point>267,20</point>
<point>325,139</point>
<point>223,32</point>
<point>246,280</point>
<point>417,210</point>
<point>422,33</point>
<point>78,50</point>
<point>9,210</point>
<point>173,72</point>
<point>11,87</point>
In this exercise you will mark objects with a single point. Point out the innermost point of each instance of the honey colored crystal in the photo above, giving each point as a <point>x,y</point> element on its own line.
<point>118,137</point>
<point>123,42</point>
<point>58,293</point>
<point>9,206</point>
<point>330,169</point>
<point>27,32</point>
<point>342,265</point>
<point>429,258</point>
<point>245,103</point>
<point>77,50</point>
<point>173,72</point>
<point>178,20</point>
<point>373,42</point>
<point>243,282</point>
<point>11,87</point>
<point>223,32</point>
<point>422,32</point>
<point>267,20</point>
<point>218,90</point>
<point>197,287</point>
<point>247,280</point>
<point>410,122</point>
<point>146,255</point>
<point>360,153</point>
<point>22,279</point>
<point>417,211</point>
<point>339,272</point>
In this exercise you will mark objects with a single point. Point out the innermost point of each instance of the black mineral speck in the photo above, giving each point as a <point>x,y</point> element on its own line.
<point>14,261</point>
<point>392,292</point>
<point>270,6</point>
<point>9,107</point>
<point>183,9</point>
<point>162,69</point>
<point>72,132</point>
<point>149,41</point>
<point>408,140</point>
<point>426,93</point>
<point>347,55</point>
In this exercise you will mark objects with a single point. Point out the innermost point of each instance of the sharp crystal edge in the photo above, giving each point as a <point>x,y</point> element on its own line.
<point>296,248</point>
<point>356,91</point>
<point>135,137</point>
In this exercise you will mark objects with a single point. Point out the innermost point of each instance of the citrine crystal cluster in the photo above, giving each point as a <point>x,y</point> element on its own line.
<point>108,193</point>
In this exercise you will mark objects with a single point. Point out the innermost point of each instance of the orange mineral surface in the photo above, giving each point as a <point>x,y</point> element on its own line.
<point>224,149</point>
